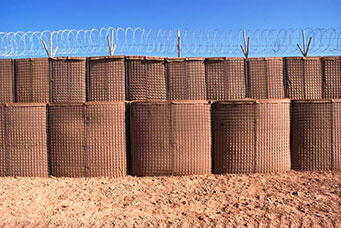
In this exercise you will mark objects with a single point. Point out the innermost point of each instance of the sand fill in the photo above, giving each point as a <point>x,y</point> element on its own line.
<point>290,199</point>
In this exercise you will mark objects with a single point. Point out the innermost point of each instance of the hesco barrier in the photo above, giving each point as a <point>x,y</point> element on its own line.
<point>68,79</point>
<point>186,79</point>
<point>303,78</point>
<point>6,81</point>
<point>106,80</point>
<point>225,78</point>
<point>316,135</point>
<point>265,78</point>
<point>252,136</point>
<point>23,150</point>
<point>88,139</point>
<point>146,78</point>
<point>331,67</point>
<point>32,80</point>
<point>170,138</point>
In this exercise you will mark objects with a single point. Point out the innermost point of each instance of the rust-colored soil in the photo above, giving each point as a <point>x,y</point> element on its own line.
<point>291,199</point>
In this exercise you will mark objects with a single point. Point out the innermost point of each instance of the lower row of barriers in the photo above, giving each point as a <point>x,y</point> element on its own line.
<point>169,138</point>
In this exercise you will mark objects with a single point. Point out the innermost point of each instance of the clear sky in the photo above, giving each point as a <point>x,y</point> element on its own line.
<point>40,15</point>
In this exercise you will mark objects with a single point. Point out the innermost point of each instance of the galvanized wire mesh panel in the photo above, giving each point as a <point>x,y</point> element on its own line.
<point>6,81</point>
<point>146,78</point>
<point>107,78</point>
<point>265,78</point>
<point>170,138</point>
<point>68,79</point>
<point>32,80</point>
<point>24,145</point>
<point>303,77</point>
<point>186,79</point>
<point>252,136</point>
<point>316,135</point>
<point>331,67</point>
<point>225,78</point>
<point>87,139</point>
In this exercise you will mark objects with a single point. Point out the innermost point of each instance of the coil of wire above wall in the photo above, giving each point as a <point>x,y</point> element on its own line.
<point>140,41</point>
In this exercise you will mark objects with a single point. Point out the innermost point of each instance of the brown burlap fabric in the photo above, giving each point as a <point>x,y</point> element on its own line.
<point>303,78</point>
<point>251,136</point>
<point>186,79</point>
<point>6,81</point>
<point>106,78</point>
<point>68,79</point>
<point>331,68</point>
<point>316,127</point>
<point>170,138</point>
<point>265,78</point>
<point>225,78</point>
<point>88,139</point>
<point>23,150</point>
<point>32,80</point>
<point>146,78</point>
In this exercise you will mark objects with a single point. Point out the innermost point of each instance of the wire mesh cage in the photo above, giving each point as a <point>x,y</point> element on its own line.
<point>225,78</point>
<point>170,138</point>
<point>316,138</point>
<point>331,66</point>
<point>68,79</point>
<point>6,81</point>
<point>265,78</point>
<point>88,139</point>
<point>146,78</point>
<point>106,80</point>
<point>32,80</point>
<point>251,136</point>
<point>186,78</point>
<point>23,150</point>
<point>303,77</point>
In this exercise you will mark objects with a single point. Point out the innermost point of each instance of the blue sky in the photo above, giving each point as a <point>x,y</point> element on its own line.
<point>39,15</point>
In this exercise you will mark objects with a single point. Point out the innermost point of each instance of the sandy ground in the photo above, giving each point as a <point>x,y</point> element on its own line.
<point>291,199</point>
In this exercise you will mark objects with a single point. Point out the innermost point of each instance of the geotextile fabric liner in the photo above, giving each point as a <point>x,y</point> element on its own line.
<point>186,79</point>
<point>107,78</point>
<point>170,138</point>
<point>23,145</point>
<point>146,78</point>
<point>225,78</point>
<point>316,135</point>
<point>331,67</point>
<point>251,136</point>
<point>265,78</point>
<point>303,78</point>
<point>68,79</point>
<point>6,81</point>
<point>32,80</point>
<point>88,139</point>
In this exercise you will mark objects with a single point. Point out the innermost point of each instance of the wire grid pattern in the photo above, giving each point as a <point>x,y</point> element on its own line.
<point>146,78</point>
<point>68,79</point>
<point>151,133</point>
<point>32,80</point>
<point>87,140</point>
<point>331,77</point>
<point>170,138</point>
<point>315,129</point>
<point>107,79</point>
<point>225,78</point>
<point>303,77</point>
<point>186,79</point>
<point>24,147</point>
<point>6,81</point>
<point>3,140</point>
<point>251,136</point>
<point>265,78</point>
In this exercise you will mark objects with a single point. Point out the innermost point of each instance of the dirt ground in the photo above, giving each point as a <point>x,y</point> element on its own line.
<point>291,199</point>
